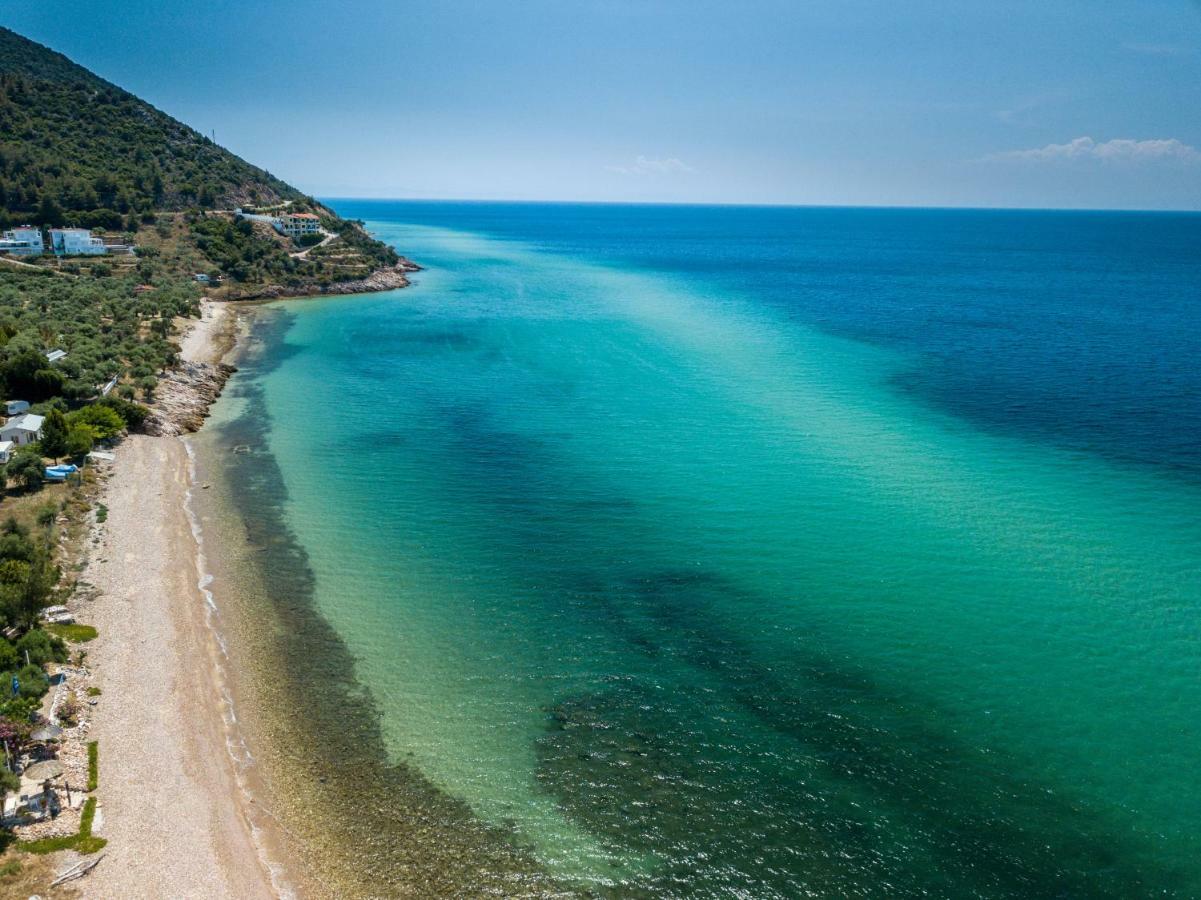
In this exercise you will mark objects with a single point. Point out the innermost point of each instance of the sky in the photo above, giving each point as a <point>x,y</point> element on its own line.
<point>1024,103</point>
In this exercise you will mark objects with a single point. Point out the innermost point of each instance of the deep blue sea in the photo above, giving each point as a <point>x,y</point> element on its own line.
<point>767,552</point>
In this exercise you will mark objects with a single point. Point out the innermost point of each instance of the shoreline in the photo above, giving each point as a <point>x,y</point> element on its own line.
<point>179,822</point>
<point>386,279</point>
<point>224,675</point>
<point>312,728</point>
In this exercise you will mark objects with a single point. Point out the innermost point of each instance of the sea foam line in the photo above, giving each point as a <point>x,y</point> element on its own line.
<point>235,743</point>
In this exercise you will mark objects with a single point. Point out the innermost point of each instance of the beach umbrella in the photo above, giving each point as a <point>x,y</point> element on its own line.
<point>46,733</point>
<point>44,770</point>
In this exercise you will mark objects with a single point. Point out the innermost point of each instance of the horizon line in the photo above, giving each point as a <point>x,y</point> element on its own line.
<point>737,205</point>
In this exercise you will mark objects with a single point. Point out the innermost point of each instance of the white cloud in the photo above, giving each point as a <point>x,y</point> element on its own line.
<point>644,166</point>
<point>1158,49</point>
<point>1122,150</point>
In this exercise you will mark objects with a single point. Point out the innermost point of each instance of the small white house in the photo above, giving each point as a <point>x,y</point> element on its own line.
<point>15,407</point>
<point>76,242</point>
<point>23,241</point>
<point>6,452</point>
<point>53,356</point>
<point>201,277</point>
<point>23,429</point>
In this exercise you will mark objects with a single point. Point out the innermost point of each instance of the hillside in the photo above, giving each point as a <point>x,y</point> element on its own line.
<point>92,149</point>
<point>78,150</point>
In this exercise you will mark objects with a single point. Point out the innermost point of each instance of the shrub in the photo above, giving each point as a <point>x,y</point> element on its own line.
<point>104,420</point>
<point>15,732</point>
<point>33,682</point>
<point>93,765</point>
<point>42,647</point>
<point>26,468</point>
<point>9,658</point>
<point>133,414</point>
<point>13,571</point>
<point>68,711</point>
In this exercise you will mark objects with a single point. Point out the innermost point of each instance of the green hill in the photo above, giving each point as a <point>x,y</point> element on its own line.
<point>73,146</point>
<point>78,150</point>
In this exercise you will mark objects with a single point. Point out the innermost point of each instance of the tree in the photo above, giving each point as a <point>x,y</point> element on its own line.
<point>49,213</point>
<point>31,597</point>
<point>105,421</point>
<point>26,468</point>
<point>133,414</point>
<point>54,435</point>
<point>80,440</point>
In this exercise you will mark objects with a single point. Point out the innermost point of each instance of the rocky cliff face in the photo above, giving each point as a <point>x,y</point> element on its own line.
<point>184,396</point>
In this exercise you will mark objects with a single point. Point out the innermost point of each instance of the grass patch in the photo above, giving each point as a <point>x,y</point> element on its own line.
<point>101,513</point>
<point>93,764</point>
<point>83,842</point>
<point>94,691</point>
<point>78,634</point>
<point>10,868</point>
<point>24,507</point>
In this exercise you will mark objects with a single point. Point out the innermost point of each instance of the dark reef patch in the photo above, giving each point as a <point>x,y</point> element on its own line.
<point>386,828</point>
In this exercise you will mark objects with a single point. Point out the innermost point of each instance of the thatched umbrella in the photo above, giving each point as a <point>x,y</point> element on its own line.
<point>44,770</point>
<point>46,733</point>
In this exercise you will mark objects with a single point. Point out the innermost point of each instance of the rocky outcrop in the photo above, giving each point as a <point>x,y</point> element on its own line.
<point>183,397</point>
<point>386,279</point>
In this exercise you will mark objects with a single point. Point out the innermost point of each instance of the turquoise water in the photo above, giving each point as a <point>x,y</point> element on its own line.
<point>764,553</point>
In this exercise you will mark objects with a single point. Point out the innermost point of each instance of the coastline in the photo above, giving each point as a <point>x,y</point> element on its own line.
<point>344,818</point>
<point>212,785</point>
<point>386,279</point>
<point>176,805</point>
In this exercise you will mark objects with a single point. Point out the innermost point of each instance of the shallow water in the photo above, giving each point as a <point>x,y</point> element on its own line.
<point>701,551</point>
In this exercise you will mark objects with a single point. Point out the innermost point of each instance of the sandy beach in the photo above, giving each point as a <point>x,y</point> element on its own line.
<point>177,822</point>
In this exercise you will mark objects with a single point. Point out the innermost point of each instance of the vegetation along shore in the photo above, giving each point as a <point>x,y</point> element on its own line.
<point>125,236</point>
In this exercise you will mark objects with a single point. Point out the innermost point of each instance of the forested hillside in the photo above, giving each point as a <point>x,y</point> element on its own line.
<point>75,147</point>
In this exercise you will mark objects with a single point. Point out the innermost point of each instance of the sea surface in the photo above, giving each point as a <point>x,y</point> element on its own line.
<point>757,552</point>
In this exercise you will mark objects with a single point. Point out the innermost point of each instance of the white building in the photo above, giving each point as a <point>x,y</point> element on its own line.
<point>291,224</point>
<point>23,429</point>
<point>296,224</point>
<point>76,242</point>
<point>15,407</point>
<point>6,452</point>
<point>53,356</point>
<point>23,241</point>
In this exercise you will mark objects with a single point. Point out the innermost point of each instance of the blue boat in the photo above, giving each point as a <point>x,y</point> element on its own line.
<point>60,472</point>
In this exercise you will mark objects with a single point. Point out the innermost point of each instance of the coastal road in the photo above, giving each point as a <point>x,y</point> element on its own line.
<point>330,237</point>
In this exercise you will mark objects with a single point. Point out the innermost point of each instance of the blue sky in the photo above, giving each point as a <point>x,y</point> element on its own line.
<point>1055,103</point>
